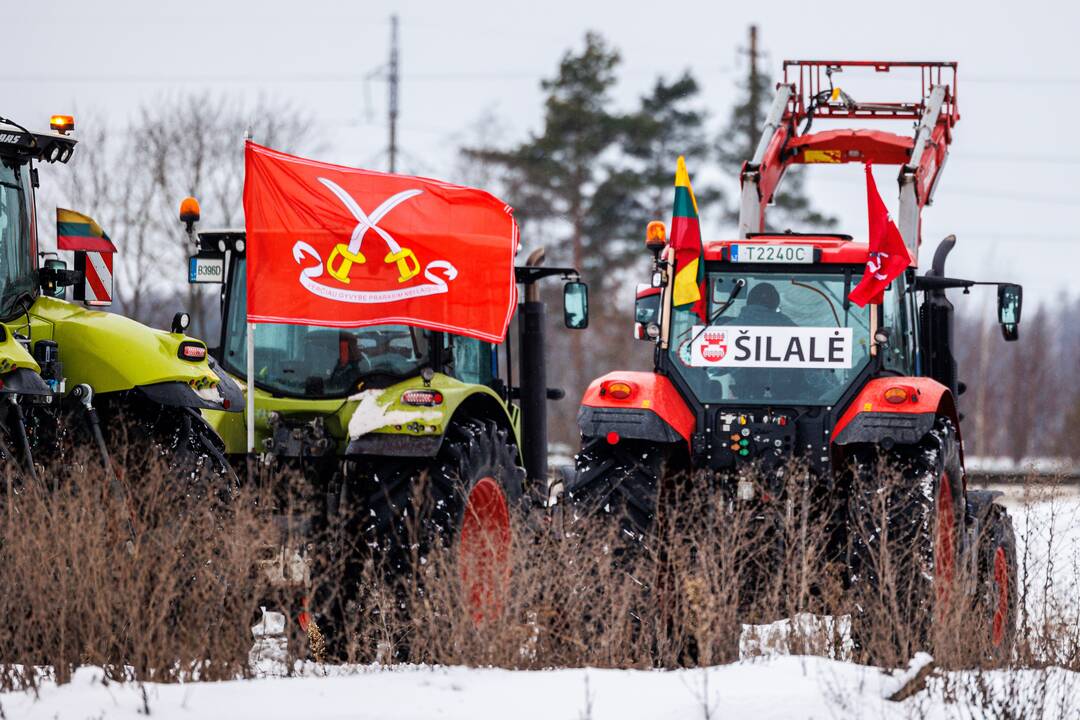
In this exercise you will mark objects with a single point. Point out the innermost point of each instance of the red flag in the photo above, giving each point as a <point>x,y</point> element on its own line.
<point>337,246</point>
<point>888,254</point>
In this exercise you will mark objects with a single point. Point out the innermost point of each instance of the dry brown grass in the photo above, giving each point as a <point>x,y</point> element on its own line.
<point>147,578</point>
<point>583,594</point>
<point>157,582</point>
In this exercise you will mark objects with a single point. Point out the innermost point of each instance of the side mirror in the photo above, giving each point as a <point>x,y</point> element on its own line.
<point>1010,301</point>
<point>576,305</point>
<point>52,285</point>
<point>646,312</point>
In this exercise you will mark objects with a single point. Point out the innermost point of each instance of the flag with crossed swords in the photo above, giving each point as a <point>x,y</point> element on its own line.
<point>344,247</point>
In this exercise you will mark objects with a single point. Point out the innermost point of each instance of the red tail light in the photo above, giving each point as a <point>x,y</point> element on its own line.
<point>192,351</point>
<point>425,398</point>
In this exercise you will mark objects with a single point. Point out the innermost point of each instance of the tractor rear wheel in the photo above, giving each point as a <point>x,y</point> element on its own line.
<point>421,505</point>
<point>997,593</point>
<point>905,511</point>
<point>463,501</point>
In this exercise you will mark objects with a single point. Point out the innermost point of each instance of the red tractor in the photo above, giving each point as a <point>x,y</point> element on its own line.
<point>861,385</point>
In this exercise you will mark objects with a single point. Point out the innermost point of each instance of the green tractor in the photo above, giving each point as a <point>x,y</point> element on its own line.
<point>75,375</point>
<point>364,414</point>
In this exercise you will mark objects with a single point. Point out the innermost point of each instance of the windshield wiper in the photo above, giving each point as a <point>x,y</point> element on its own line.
<point>739,285</point>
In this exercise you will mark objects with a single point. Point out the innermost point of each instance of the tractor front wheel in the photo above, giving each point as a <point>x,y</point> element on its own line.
<point>905,513</point>
<point>619,481</point>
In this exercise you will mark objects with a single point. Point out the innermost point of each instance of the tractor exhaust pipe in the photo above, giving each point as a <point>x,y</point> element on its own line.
<point>937,267</point>
<point>533,378</point>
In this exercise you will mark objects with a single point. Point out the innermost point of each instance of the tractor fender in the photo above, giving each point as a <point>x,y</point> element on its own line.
<point>113,353</point>
<point>870,418</point>
<point>379,422</point>
<point>654,409</point>
<point>20,374</point>
<point>13,356</point>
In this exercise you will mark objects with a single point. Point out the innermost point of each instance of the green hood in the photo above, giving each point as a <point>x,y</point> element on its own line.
<point>111,352</point>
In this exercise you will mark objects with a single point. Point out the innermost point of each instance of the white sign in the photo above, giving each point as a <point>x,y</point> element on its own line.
<point>771,347</point>
<point>802,254</point>
<point>206,269</point>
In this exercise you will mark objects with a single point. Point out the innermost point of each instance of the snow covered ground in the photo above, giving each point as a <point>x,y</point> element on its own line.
<point>781,687</point>
<point>764,687</point>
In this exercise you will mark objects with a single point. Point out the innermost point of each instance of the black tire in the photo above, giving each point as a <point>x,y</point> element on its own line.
<point>138,431</point>
<point>904,539</point>
<point>997,595</point>
<point>190,448</point>
<point>618,481</point>
<point>420,504</point>
<point>400,510</point>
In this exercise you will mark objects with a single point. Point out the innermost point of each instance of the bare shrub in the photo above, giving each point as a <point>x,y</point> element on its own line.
<point>159,581</point>
<point>145,576</point>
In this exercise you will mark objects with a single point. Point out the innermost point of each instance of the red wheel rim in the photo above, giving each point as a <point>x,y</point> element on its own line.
<point>1001,580</point>
<point>945,543</point>
<point>484,549</point>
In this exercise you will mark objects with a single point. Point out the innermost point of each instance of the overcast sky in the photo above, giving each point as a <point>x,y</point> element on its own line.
<point>1010,190</point>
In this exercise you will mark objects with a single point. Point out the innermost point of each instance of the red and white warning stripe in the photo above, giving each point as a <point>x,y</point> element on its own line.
<point>98,281</point>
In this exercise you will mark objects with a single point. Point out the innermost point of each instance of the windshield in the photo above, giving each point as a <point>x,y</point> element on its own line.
<point>16,237</point>
<point>312,361</point>
<point>777,339</point>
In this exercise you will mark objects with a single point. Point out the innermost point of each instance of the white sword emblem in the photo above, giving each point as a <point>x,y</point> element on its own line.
<point>408,265</point>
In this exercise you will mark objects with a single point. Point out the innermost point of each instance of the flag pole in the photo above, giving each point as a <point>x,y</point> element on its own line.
<point>250,410</point>
<point>250,388</point>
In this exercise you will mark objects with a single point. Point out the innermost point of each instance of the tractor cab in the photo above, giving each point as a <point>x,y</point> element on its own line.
<point>781,348</point>
<point>20,149</point>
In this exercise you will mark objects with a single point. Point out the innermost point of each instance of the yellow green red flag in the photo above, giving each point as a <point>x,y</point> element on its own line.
<point>686,242</point>
<point>75,231</point>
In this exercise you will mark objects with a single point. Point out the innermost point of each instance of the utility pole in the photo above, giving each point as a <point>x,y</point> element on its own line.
<point>757,107</point>
<point>392,77</point>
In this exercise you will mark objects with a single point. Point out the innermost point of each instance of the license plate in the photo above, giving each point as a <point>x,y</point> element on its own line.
<point>203,269</point>
<point>772,253</point>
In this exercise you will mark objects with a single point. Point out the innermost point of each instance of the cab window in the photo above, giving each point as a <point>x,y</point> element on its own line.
<point>899,354</point>
<point>472,360</point>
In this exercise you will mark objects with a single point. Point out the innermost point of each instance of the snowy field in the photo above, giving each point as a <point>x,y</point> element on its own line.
<point>764,687</point>
<point>782,687</point>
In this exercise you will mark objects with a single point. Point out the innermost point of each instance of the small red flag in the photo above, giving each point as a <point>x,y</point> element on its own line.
<point>889,255</point>
<point>342,247</point>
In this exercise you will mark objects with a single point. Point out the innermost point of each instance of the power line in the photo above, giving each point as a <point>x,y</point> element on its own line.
<point>312,77</point>
<point>974,192</point>
<point>1024,79</point>
<point>1021,159</point>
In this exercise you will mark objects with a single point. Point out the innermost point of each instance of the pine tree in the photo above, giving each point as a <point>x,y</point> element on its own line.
<point>739,139</point>
<point>667,124</point>
<point>555,175</point>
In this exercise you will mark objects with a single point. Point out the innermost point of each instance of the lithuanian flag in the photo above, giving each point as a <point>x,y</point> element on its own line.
<point>75,231</point>
<point>686,242</point>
